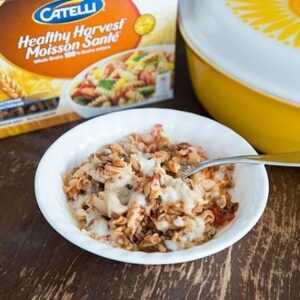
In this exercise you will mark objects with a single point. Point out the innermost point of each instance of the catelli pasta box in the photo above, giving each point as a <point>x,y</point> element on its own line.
<point>65,60</point>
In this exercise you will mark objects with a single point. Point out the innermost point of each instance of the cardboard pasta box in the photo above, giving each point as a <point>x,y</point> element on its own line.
<point>65,60</point>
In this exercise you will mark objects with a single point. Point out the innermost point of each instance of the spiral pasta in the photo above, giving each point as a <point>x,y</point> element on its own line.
<point>129,80</point>
<point>134,96</point>
<point>125,195</point>
<point>98,101</point>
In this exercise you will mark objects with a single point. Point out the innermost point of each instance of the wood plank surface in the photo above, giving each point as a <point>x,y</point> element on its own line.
<point>37,263</point>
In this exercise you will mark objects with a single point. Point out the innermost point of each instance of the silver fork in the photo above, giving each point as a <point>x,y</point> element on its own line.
<point>291,159</point>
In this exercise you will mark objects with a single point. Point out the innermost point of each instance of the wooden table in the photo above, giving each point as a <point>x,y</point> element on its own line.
<point>37,263</point>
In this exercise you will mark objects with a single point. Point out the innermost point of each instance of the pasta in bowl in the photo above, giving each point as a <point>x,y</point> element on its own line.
<point>115,207</point>
<point>130,194</point>
<point>124,80</point>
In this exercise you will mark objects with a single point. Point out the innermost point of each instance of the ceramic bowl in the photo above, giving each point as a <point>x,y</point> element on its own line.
<point>251,190</point>
<point>89,112</point>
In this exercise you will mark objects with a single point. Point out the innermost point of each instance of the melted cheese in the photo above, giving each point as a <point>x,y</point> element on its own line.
<point>147,165</point>
<point>140,199</point>
<point>162,225</point>
<point>137,198</point>
<point>113,204</point>
<point>78,202</point>
<point>176,191</point>
<point>121,180</point>
<point>178,222</point>
<point>171,245</point>
<point>100,228</point>
<point>197,231</point>
<point>116,193</point>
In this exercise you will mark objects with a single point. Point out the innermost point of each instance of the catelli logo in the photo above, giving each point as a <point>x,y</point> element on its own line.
<point>66,11</point>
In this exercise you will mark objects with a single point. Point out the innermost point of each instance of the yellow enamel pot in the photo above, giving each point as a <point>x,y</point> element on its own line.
<point>267,115</point>
<point>270,125</point>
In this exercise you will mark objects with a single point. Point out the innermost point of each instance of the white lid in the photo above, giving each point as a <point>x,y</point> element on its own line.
<point>257,42</point>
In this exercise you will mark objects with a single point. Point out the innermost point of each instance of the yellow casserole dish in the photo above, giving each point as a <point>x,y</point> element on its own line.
<point>245,67</point>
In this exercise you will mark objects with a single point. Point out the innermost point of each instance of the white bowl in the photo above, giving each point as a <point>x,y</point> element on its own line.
<point>251,190</point>
<point>89,112</point>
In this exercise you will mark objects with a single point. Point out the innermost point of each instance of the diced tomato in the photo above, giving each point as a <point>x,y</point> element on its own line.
<point>147,77</point>
<point>89,93</point>
<point>86,83</point>
<point>77,93</point>
<point>115,100</point>
<point>221,217</point>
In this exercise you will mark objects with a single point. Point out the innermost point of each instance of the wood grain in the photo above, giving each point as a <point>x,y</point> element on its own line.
<point>36,263</point>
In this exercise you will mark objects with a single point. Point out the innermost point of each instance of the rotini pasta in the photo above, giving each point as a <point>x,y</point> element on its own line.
<point>106,93</point>
<point>98,101</point>
<point>131,80</point>
<point>129,195</point>
<point>134,96</point>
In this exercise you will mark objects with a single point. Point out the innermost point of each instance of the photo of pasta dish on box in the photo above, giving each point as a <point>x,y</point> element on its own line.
<point>127,79</point>
<point>130,195</point>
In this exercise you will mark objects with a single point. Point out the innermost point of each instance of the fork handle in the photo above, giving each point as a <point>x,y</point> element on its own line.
<point>291,159</point>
